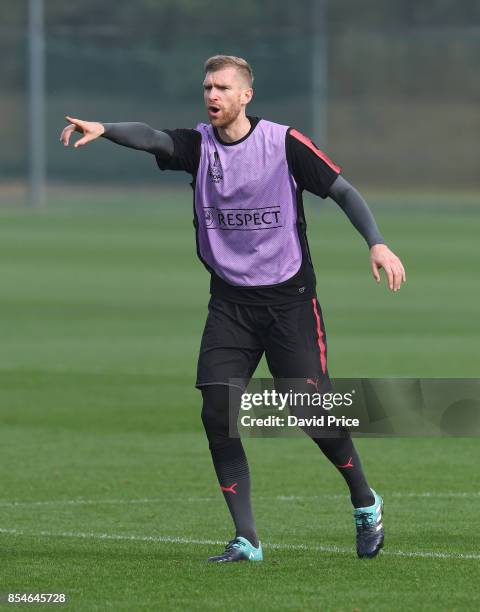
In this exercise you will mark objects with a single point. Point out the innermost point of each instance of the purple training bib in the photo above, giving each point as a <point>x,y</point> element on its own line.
<point>245,206</point>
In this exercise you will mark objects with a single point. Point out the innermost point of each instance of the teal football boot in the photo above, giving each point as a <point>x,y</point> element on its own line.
<point>239,549</point>
<point>369,525</point>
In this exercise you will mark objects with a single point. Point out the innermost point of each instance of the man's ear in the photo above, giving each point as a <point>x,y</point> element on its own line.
<point>247,95</point>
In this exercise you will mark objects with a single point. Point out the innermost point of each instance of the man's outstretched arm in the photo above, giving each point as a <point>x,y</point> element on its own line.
<point>357,210</point>
<point>138,136</point>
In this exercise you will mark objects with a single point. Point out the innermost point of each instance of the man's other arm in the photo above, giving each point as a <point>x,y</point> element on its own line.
<point>314,171</point>
<point>354,206</point>
<point>357,210</point>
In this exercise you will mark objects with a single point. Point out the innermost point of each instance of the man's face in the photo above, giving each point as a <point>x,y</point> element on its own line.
<point>226,93</point>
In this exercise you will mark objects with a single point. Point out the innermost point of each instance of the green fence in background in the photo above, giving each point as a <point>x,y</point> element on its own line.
<point>400,95</point>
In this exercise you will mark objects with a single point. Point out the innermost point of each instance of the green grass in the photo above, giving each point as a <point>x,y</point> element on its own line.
<point>103,461</point>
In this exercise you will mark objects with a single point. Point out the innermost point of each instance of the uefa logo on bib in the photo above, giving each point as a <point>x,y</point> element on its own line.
<point>209,220</point>
<point>214,168</point>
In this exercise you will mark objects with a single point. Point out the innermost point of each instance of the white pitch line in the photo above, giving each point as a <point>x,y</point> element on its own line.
<point>284,498</point>
<point>396,494</point>
<point>183,540</point>
<point>88,502</point>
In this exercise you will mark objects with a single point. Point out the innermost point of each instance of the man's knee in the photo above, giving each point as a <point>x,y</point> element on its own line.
<point>215,411</point>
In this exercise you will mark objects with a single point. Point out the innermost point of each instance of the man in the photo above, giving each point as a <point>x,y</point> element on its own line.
<point>248,176</point>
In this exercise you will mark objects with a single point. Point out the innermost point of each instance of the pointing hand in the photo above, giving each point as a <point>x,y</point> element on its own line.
<point>91,130</point>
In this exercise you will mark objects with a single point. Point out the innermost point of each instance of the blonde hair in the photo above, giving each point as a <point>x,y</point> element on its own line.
<point>222,61</point>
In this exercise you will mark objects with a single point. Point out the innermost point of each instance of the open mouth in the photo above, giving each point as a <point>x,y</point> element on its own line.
<point>213,110</point>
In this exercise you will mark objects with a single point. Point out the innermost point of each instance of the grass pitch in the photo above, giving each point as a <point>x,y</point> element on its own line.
<point>108,493</point>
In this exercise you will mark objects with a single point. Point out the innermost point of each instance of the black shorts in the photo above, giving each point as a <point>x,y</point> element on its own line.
<point>291,335</point>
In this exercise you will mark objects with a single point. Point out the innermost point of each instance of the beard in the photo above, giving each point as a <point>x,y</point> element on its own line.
<point>226,117</point>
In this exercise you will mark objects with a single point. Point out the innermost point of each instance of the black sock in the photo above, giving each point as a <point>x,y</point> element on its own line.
<point>342,453</point>
<point>229,460</point>
<point>233,476</point>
